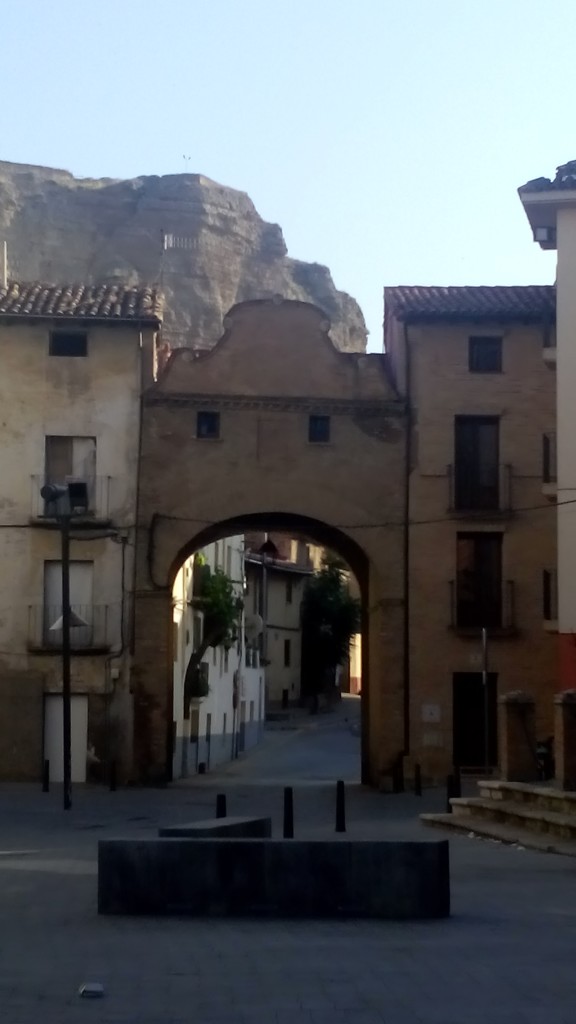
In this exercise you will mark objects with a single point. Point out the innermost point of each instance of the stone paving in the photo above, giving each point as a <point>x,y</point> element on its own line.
<point>505,957</point>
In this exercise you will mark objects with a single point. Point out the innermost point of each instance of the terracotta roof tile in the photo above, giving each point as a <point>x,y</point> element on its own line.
<point>565,180</point>
<point>527,303</point>
<point>80,301</point>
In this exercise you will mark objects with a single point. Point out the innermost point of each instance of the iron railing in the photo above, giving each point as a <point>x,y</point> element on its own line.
<point>485,611</point>
<point>468,492</point>
<point>99,495</point>
<point>89,627</point>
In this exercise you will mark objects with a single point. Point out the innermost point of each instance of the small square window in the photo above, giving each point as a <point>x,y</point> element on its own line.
<point>287,654</point>
<point>485,355</point>
<point>208,425</point>
<point>68,343</point>
<point>319,429</point>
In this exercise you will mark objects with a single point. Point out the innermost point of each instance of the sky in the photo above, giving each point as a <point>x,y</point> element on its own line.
<point>386,137</point>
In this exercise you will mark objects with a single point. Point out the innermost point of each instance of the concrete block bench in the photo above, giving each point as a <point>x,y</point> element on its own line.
<point>274,878</point>
<point>220,828</point>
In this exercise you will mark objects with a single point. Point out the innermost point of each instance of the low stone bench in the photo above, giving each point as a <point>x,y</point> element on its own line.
<point>216,828</point>
<point>274,878</point>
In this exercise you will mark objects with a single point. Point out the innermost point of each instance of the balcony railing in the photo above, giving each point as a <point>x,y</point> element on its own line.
<point>496,614</point>
<point>89,629</point>
<point>99,494</point>
<point>468,493</point>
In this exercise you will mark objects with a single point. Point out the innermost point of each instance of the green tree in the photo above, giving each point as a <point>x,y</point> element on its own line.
<point>215,596</point>
<point>330,618</point>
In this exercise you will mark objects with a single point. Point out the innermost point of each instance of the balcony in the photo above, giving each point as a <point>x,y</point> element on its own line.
<point>549,472</point>
<point>471,497</point>
<point>93,636</point>
<point>498,616</point>
<point>98,513</point>
<point>549,351</point>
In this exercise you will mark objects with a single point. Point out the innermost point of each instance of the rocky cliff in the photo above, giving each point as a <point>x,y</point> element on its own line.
<point>203,243</point>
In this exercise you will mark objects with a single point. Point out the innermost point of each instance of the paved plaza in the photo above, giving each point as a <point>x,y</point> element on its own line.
<point>506,956</point>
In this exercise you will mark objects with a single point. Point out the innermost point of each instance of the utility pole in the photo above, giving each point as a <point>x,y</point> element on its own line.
<point>66,691</point>
<point>485,693</point>
<point>76,497</point>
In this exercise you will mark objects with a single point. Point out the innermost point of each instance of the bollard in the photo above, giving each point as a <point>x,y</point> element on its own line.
<point>449,792</point>
<point>457,782</point>
<point>46,777</point>
<point>288,813</point>
<point>417,780</point>
<point>221,805</point>
<point>112,777</point>
<point>398,775</point>
<point>340,807</point>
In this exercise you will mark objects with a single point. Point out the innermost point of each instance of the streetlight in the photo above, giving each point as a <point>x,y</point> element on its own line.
<point>69,500</point>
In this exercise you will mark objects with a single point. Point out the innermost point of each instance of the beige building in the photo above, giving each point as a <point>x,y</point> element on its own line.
<point>277,569</point>
<point>473,364</point>
<point>73,362</point>
<point>550,205</point>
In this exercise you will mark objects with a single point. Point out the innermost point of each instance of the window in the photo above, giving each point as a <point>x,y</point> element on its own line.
<point>549,458</point>
<point>549,595</point>
<point>251,710</point>
<point>229,561</point>
<point>197,631</point>
<point>319,429</point>
<point>485,355</point>
<point>81,585</point>
<point>224,724</point>
<point>71,458</point>
<point>289,591</point>
<point>226,659</point>
<point>68,343</point>
<point>208,425</point>
<point>287,654</point>
<point>479,580</point>
<point>476,453</point>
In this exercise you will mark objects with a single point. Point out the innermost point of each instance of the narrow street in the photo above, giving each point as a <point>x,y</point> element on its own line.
<point>305,749</point>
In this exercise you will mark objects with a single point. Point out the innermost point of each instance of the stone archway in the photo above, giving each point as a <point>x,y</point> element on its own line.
<point>274,368</point>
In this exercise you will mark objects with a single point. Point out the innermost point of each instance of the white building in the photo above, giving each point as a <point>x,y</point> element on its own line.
<point>229,721</point>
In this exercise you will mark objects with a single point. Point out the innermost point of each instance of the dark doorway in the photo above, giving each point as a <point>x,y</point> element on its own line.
<point>468,718</point>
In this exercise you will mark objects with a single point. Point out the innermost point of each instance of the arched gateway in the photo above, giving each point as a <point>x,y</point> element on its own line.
<point>228,444</point>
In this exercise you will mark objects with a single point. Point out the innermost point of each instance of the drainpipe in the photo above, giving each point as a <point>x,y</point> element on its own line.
<point>406,546</point>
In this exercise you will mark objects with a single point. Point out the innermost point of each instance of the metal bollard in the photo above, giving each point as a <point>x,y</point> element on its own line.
<point>46,777</point>
<point>340,807</point>
<point>449,792</point>
<point>112,777</point>
<point>221,805</point>
<point>417,780</point>
<point>288,813</point>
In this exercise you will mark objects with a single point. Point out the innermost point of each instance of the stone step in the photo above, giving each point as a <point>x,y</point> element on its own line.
<point>518,815</point>
<point>491,830</point>
<point>545,797</point>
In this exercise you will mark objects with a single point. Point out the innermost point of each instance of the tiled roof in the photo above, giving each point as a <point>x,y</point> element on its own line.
<point>80,301</point>
<point>565,179</point>
<point>532,303</point>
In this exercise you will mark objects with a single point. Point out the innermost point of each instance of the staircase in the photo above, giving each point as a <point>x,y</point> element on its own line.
<point>534,816</point>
